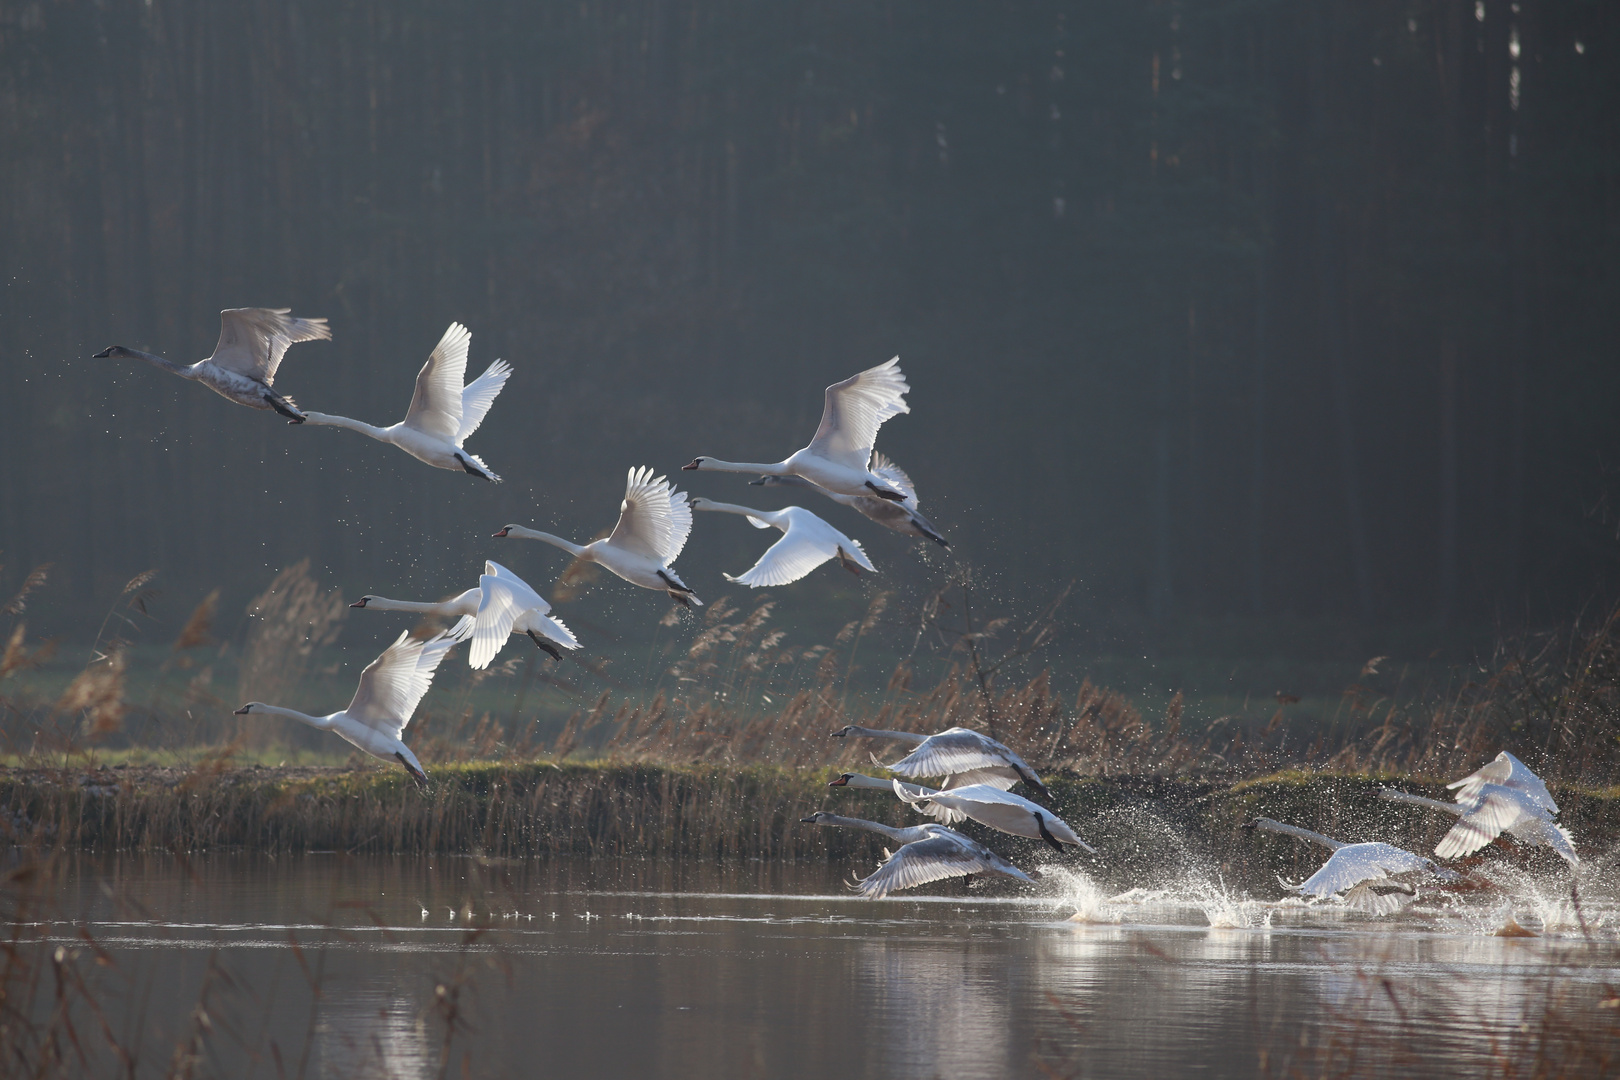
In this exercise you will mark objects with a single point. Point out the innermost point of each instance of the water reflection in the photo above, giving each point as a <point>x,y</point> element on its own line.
<point>946,1010</point>
<point>371,1033</point>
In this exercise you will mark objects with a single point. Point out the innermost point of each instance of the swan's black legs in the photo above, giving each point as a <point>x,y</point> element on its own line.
<point>545,646</point>
<point>847,563</point>
<point>677,592</point>
<point>284,407</point>
<point>885,493</point>
<point>416,774</point>
<point>1040,823</point>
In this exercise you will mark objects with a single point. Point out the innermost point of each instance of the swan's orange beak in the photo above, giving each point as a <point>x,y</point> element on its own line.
<point>501,533</point>
<point>842,781</point>
<point>359,603</point>
<point>695,463</point>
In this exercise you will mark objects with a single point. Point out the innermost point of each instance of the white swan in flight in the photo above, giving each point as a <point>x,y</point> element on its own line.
<point>903,517</point>
<point>961,754</point>
<point>503,604</point>
<point>443,413</point>
<point>1000,810</point>
<point>654,522</point>
<point>839,457</point>
<point>928,853</point>
<point>807,542</point>
<point>251,343</point>
<point>390,689</point>
<point>1380,879</point>
<point>1496,809</point>
<point>1508,771</point>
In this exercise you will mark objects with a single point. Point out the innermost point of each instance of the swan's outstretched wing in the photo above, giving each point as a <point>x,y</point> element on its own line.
<point>654,519</point>
<point>895,477</point>
<point>1545,831</point>
<point>801,549</point>
<point>436,406</point>
<point>503,598</point>
<point>1005,812</point>
<point>1355,863</point>
<point>478,395</point>
<point>959,750</point>
<point>999,776</point>
<point>1380,897</point>
<point>252,340</point>
<point>394,684</point>
<point>938,857</point>
<point>1509,771</point>
<point>1495,810</point>
<point>854,410</point>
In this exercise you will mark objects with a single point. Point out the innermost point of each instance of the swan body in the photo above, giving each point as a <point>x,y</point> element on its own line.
<point>1496,809</point>
<point>443,413</point>
<point>807,542</point>
<point>502,605</point>
<point>251,343</point>
<point>839,458</point>
<point>928,853</point>
<point>390,689</point>
<point>1379,879</point>
<point>654,522</point>
<point>903,517</point>
<point>963,755</point>
<point>1000,810</point>
<point>1509,772</point>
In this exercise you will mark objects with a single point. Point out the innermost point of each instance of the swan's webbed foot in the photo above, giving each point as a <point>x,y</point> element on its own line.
<point>885,493</point>
<point>545,646</point>
<point>284,407</point>
<point>678,592</point>
<point>847,563</point>
<point>416,774</point>
<point>1040,823</point>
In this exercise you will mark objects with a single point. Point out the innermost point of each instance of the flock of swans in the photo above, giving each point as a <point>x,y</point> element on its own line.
<point>976,772</point>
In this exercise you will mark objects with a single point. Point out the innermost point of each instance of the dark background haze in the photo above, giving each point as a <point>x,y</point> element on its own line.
<point>1232,311</point>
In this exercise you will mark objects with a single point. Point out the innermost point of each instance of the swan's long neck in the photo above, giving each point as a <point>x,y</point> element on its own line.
<point>856,780</point>
<point>1294,830</point>
<point>544,537</point>
<point>710,464</point>
<point>322,722</point>
<point>382,604</point>
<point>884,733</point>
<point>904,836</point>
<point>183,370</point>
<point>1390,795</point>
<point>327,420</point>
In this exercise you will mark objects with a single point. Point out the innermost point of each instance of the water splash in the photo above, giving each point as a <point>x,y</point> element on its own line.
<point>1074,889</point>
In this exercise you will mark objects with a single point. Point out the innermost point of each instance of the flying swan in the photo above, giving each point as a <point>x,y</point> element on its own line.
<point>929,853</point>
<point>1380,879</point>
<point>443,413</point>
<point>1495,810</point>
<point>502,605</point>
<point>654,522</point>
<point>251,343</point>
<point>1508,771</point>
<point>1000,810</point>
<point>902,516</point>
<point>839,457</point>
<point>807,542</point>
<point>390,689</point>
<point>960,754</point>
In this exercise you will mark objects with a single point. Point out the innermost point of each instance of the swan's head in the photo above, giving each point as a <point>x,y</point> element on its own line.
<point>505,529</point>
<point>816,818</point>
<point>842,781</point>
<point>696,504</point>
<point>363,601</point>
<point>114,352</point>
<point>845,730</point>
<point>1250,826</point>
<point>248,708</point>
<point>697,463</point>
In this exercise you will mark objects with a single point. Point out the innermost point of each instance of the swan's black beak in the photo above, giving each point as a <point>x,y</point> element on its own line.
<point>359,603</point>
<point>695,463</point>
<point>807,821</point>
<point>1248,826</point>
<point>503,531</point>
<point>103,354</point>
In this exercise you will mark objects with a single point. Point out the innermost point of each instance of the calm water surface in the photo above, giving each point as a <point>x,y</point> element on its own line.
<point>354,967</point>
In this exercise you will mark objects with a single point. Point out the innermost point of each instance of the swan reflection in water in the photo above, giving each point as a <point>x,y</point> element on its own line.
<point>372,1035</point>
<point>943,1012</point>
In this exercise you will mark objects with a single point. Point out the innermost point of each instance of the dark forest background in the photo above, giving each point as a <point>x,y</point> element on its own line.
<point>1260,310</point>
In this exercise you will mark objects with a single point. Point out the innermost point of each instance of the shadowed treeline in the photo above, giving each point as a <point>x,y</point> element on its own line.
<point>1226,308</point>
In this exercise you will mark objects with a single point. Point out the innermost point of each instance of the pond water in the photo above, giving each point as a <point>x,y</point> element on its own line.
<point>333,966</point>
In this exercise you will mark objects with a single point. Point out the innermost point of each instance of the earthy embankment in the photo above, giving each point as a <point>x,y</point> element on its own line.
<point>1141,826</point>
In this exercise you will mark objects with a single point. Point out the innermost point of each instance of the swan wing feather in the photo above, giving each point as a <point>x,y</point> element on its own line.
<point>957,750</point>
<point>436,405</point>
<point>478,395</point>
<point>252,341</point>
<point>789,559</point>
<point>896,478</point>
<point>1008,813</point>
<point>654,518</point>
<point>1508,771</point>
<point>1355,863</point>
<point>394,684</point>
<point>854,410</point>
<point>944,855</point>
<point>1494,811</point>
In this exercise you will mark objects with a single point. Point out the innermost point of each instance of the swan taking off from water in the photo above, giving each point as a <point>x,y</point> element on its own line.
<point>390,689</point>
<point>1001,810</point>
<point>806,543</point>
<point>443,413</point>
<point>900,516</point>
<point>251,343</point>
<point>960,754</point>
<point>929,853</point>
<point>839,457</point>
<point>1496,809</point>
<point>1508,771</point>
<point>503,604</point>
<point>1380,879</point>
<point>654,522</point>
